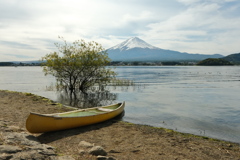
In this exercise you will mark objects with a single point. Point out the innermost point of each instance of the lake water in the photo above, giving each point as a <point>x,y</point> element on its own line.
<point>192,99</point>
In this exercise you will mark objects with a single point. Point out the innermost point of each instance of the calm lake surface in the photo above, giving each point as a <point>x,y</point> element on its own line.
<point>198,100</point>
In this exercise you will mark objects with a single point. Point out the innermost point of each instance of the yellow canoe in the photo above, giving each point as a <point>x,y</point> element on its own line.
<point>39,123</point>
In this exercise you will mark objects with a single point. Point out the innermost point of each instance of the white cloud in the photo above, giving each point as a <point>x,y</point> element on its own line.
<point>188,2</point>
<point>201,28</point>
<point>45,20</point>
<point>185,25</point>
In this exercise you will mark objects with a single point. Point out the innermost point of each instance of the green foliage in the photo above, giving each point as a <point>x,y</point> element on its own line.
<point>79,65</point>
<point>6,63</point>
<point>214,62</point>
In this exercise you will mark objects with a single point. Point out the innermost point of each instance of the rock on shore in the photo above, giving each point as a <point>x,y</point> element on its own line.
<point>15,144</point>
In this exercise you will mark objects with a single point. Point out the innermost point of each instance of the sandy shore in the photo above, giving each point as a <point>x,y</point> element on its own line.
<point>122,140</point>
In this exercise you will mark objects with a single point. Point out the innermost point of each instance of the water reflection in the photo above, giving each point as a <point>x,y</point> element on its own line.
<point>86,100</point>
<point>96,96</point>
<point>105,96</point>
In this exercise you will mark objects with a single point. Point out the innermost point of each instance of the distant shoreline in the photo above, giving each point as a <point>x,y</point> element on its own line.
<point>124,64</point>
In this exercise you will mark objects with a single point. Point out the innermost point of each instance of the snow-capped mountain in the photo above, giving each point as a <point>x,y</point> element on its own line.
<point>135,49</point>
<point>133,42</point>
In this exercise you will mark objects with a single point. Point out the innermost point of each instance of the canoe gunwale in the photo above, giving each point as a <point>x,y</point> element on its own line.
<point>40,123</point>
<point>56,115</point>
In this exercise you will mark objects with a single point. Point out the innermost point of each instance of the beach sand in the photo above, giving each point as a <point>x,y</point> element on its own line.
<point>121,140</point>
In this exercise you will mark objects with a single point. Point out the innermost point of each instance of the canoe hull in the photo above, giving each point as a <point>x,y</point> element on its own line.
<point>39,123</point>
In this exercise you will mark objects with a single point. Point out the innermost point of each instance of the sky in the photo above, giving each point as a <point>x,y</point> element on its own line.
<point>29,28</point>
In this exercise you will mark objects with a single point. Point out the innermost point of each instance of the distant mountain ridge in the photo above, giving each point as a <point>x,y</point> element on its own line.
<point>135,49</point>
<point>234,58</point>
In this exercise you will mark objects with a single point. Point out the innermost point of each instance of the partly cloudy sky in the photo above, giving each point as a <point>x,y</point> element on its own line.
<point>29,28</point>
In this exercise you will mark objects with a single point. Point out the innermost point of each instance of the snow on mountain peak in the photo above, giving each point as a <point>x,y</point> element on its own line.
<point>133,42</point>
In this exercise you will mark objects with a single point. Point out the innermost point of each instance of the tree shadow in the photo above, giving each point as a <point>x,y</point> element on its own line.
<point>57,135</point>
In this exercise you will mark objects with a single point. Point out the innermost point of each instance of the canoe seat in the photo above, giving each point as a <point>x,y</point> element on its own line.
<point>104,109</point>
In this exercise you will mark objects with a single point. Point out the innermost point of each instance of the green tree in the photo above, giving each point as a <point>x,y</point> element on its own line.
<point>79,66</point>
<point>214,62</point>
